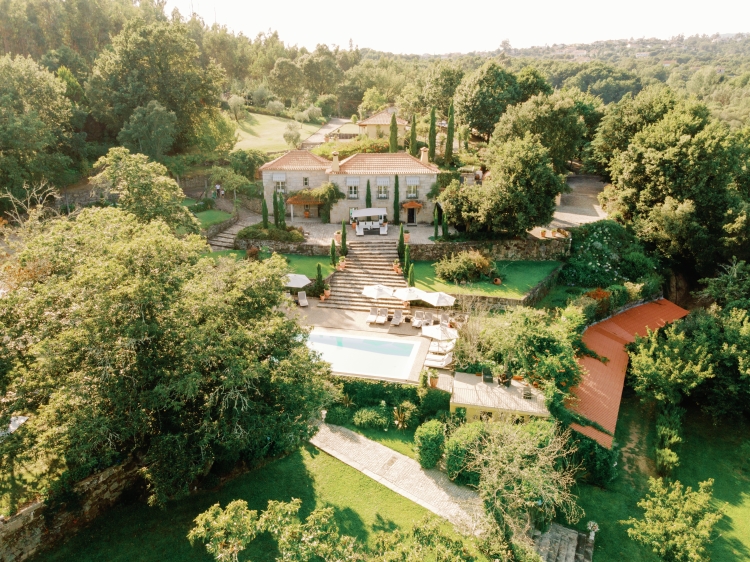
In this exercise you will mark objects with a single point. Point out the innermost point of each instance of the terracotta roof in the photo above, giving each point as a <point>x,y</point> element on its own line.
<point>297,160</point>
<point>598,396</point>
<point>394,163</point>
<point>382,118</point>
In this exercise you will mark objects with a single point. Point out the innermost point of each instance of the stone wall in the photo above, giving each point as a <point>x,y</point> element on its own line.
<point>517,249</point>
<point>30,531</point>
<point>530,299</point>
<point>215,229</point>
<point>83,197</point>
<point>301,248</point>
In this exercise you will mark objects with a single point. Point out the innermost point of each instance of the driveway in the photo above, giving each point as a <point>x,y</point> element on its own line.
<point>581,205</point>
<point>319,136</point>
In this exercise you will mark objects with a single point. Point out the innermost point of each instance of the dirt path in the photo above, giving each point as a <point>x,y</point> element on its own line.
<point>635,451</point>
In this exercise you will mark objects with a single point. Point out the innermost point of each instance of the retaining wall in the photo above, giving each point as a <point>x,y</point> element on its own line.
<point>215,229</point>
<point>517,249</point>
<point>530,299</point>
<point>301,248</point>
<point>33,528</point>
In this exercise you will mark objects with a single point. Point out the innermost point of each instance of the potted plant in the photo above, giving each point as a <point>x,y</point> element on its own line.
<point>354,225</point>
<point>327,290</point>
<point>337,236</point>
<point>434,377</point>
<point>406,236</point>
<point>307,214</point>
<point>593,527</point>
<point>544,233</point>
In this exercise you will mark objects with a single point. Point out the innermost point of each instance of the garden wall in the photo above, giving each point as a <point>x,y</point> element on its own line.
<point>531,249</point>
<point>215,229</point>
<point>33,529</point>
<point>533,297</point>
<point>301,248</point>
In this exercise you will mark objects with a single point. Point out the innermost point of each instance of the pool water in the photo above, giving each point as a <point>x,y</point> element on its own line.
<point>369,356</point>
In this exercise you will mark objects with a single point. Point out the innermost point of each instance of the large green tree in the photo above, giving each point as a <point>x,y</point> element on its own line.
<point>449,136</point>
<point>440,85</point>
<point>159,62</point>
<point>393,135</point>
<point>321,71</point>
<point>483,96</point>
<point>432,136</point>
<point>150,130</point>
<point>286,79</point>
<point>605,81</point>
<point>531,83</point>
<point>122,339</point>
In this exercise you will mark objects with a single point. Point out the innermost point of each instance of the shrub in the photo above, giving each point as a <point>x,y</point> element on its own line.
<point>599,463</point>
<point>338,415</point>
<point>314,113</point>
<point>302,116</point>
<point>275,107</point>
<point>404,414</point>
<point>202,205</point>
<point>603,303</point>
<point>432,401</point>
<point>618,296</point>
<point>257,232</point>
<point>465,266</point>
<point>429,442</point>
<point>458,453</point>
<point>651,285</point>
<point>372,417</point>
<point>327,104</point>
<point>349,147</point>
<point>666,461</point>
<point>372,393</point>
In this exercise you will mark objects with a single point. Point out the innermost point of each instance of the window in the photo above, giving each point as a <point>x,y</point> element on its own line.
<point>307,207</point>
<point>305,182</point>
<point>411,191</point>
<point>382,192</point>
<point>280,186</point>
<point>353,192</point>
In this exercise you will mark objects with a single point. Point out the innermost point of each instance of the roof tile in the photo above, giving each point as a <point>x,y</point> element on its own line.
<point>383,163</point>
<point>382,118</point>
<point>297,160</point>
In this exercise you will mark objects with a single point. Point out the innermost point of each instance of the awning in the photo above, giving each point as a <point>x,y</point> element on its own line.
<point>412,180</point>
<point>412,205</point>
<point>383,181</point>
<point>352,181</point>
<point>279,177</point>
<point>372,212</point>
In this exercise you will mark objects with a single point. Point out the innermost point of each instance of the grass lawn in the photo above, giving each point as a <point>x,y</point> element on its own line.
<point>265,132</point>
<point>136,532</point>
<point>708,451</point>
<point>559,295</point>
<point>188,201</point>
<point>400,441</point>
<point>308,265</point>
<point>238,254</point>
<point>519,278</point>
<point>211,217</point>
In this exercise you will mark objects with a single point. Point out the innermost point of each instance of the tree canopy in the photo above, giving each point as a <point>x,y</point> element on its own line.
<point>150,130</point>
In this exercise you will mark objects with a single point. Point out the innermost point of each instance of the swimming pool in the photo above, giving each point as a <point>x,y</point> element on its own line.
<point>365,355</point>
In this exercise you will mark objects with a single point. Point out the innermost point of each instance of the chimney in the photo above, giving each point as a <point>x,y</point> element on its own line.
<point>335,163</point>
<point>423,158</point>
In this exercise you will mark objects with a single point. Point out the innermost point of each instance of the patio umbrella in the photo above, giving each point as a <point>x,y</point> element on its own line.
<point>439,299</point>
<point>409,294</point>
<point>296,281</point>
<point>440,333</point>
<point>377,292</point>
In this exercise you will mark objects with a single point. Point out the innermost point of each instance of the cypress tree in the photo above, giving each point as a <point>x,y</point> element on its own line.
<point>368,196</point>
<point>282,212</point>
<point>413,136</point>
<point>435,221</point>
<point>275,210</point>
<point>449,136</point>
<point>407,260</point>
<point>411,275</point>
<point>264,213</point>
<point>433,136</point>
<point>333,253</point>
<point>401,245</point>
<point>344,250</point>
<point>393,145</point>
<point>396,205</point>
<point>445,224</point>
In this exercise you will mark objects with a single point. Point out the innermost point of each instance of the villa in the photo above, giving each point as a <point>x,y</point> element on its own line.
<point>379,124</point>
<point>300,169</point>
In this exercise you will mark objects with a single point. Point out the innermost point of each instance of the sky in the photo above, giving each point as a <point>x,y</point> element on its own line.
<point>439,26</point>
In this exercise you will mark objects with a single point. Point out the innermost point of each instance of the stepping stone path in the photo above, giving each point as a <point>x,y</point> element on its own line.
<point>367,263</point>
<point>431,489</point>
<point>560,544</point>
<point>225,239</point>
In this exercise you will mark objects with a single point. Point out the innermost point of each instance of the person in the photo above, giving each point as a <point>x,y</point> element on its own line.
<point>222,193</point>
<point>218,190</point>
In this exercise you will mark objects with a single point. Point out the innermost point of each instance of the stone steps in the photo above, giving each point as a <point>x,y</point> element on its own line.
<point>561,544</point>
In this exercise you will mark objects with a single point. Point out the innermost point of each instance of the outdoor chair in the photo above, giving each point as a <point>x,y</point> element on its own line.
<point>382,316</point>
<point>445,319</point>
<point>384,229</point>
<point>373,315</point>
<point>360,230</point>
<point>302,298</point>
<point>397,318</point>
<point>427,319</point>
<point>438,361</point>
<point>418,318</point>
<point>442,347</point>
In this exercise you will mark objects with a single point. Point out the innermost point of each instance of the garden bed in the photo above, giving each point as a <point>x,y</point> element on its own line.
<point>212,217</point>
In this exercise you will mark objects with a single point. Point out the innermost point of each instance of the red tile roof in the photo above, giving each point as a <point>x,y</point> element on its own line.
<point>297,160</point>
<point>382,118</point>
<point>598,396</point>
<point>384,163</point>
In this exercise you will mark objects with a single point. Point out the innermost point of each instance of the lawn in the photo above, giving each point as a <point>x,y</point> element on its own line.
<point>188,201</point>
<point>401,441</point>
<point>265,132</point>
<point>212,217</point>
<point>708,451</point>
<point>237,254</point>
<point>519,278</point>
<point>136,532</point>
<point>559,295</point>
<point>308,265</point>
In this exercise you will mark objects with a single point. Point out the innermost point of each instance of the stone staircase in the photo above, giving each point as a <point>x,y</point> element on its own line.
<point>560,544</point>
<point>367,263</point>
<point>225,239</point>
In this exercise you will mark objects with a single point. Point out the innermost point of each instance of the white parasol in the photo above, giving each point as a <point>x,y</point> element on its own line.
<point>409,294</point>
<point>296,281</point>
<point>439,299</point>
<point>440,333</point>
<point>377,292</point>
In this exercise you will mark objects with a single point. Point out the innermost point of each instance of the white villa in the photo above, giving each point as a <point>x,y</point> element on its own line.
<point>379,125</point>
<point>300,169</point>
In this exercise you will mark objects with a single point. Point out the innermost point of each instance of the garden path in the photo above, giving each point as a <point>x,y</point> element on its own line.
<point>429,488</point>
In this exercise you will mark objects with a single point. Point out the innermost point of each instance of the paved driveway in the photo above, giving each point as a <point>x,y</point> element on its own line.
<point>581,205</point>
<point>319,136</point>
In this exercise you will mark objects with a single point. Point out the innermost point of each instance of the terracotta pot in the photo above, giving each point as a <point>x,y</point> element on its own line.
<point>322,298</point>
<point>479,374</point>
<point>433,382</point>
<point>307,214</point>
<point>497,281</point>
<point>544,234</point>
<point>354,226</point>
<point>517,378</point>
<point>406,237</point>
<point>337,238</point>
<point>327,292</point>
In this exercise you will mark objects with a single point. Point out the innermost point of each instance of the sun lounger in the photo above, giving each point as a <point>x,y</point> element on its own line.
<point>396,318</point>
<point>382,316</point>
<point>438,361</point>
<point>360,230</point>
<point>302,298</point>
<point>442,347</point>
<point>418,319</point>
<point>427,319</point>
<point>445,319</point>
<point>373,315</point>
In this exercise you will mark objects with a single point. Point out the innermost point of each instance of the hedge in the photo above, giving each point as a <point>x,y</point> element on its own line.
<point>429,442</point>
<point>458,453</point>
<point>377,417</point>
<point>338,415</point>
<point>599,463</point>
<point>257,232</point>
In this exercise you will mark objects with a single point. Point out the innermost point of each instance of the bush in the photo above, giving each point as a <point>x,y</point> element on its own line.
<point>433,401</point>
<point>651,286</point>
<point>275,107</point>
<point>302,116</point>
<point>429,442</point>
<point>372,418</point>
<point>372,393</point>
<point>618,296</point>
<point>257,232</point>
<point>404,415</point>
<point>458,454</point>
<point>668,426</point>
<point>339,415</point>
<point>202,205</point>
<point>327,104</point>
<point>666,461</point>
<point>599,463</point>
<point>349,147</point>
<point>465,266</point>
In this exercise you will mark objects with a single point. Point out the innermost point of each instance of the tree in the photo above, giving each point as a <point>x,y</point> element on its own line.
<point>532,83</point>
<point>73,89</point>
<point>264,212</point>
<point>344,249</point>
<point>246,162</point>
<point>292,134</point>
<point>411,275</point>
<point>372,102</point>
<point>368,196</point>
<point>144,188</point>
<point>441,82</point>
<point>226,532</point>
<point>519,196</point>
<point>157,61</point>
<point>321,71</point>
<point>286,79</point>
<point>282,212</point>
<point>554,121</point>
<point>393,141</point>
<point>483,96</point>
<point>401,247</point>
<point>150,130</point>
<point>407,260</point>
<point>332,254</point>
<point>275,210</point>
<point>604,81</point>
<point>413,136</point>
<point>435,222</point>
<point>396,204</point>
<point>449,137</point>
<point>432,136</point>
<point>678,522</point>
<point>146,336</point>
<point>731,288</point>
<point>445,225</point>
<point>237,107</point>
